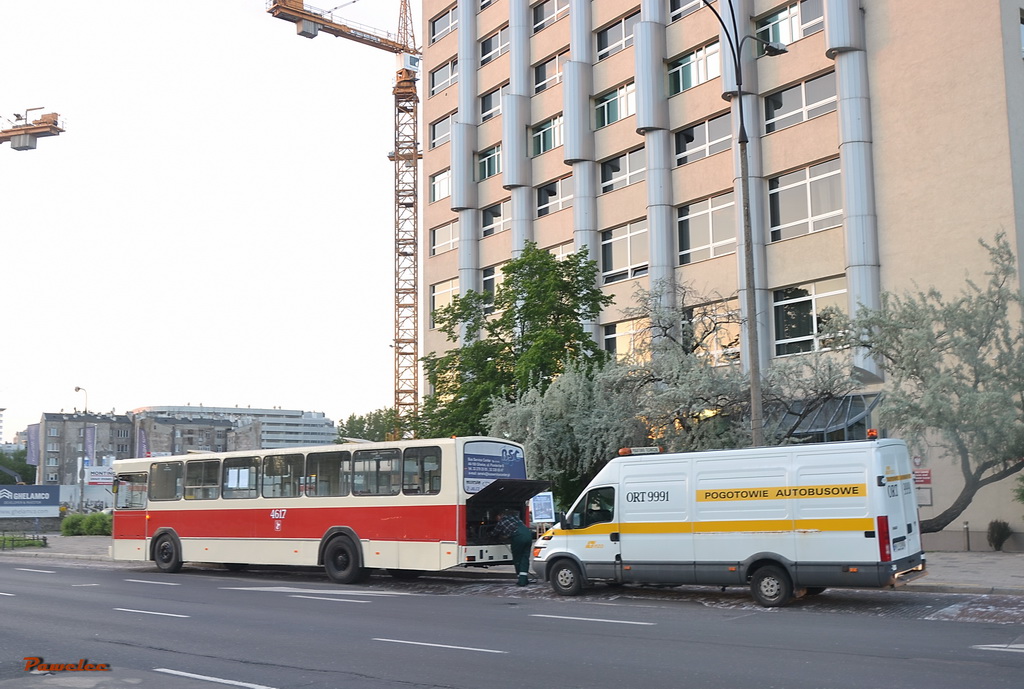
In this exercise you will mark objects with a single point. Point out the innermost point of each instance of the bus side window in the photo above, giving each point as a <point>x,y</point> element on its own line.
<point>240,477</point>
<point>202,479</point>
<point>421,471</point>
<point>165,481</point>
<point>377,472</point>
<point>281,474</point>
<point>328,474</point>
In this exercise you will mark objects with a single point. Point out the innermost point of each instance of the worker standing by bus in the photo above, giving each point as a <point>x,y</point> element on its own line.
<point>511,529</point>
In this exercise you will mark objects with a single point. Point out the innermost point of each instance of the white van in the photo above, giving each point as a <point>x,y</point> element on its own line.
<point>787,521</point>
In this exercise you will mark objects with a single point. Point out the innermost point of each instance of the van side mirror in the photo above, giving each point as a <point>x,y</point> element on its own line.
<point>560,521</point>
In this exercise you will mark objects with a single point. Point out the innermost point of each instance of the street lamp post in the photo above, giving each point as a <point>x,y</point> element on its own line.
<point>81,458</point>
<point>752,344</point>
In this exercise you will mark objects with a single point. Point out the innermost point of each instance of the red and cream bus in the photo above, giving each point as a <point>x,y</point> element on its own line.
<point>409,506</point>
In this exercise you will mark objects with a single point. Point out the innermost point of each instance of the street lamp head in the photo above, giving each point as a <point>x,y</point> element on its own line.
<point>78,389</point>
<point>774,48</point>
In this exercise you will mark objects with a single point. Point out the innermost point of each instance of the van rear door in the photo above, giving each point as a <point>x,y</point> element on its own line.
<point>898,518</point>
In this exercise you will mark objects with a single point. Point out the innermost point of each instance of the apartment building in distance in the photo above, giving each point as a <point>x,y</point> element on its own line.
<point>883,145</point>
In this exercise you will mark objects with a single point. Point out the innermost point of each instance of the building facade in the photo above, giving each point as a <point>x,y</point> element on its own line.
<point>68,442</point>
<point>271,427</point>
<point>876,159</point>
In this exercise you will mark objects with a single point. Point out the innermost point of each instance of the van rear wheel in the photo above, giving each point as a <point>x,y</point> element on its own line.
<point>771,586</point>
<point>566,579</point>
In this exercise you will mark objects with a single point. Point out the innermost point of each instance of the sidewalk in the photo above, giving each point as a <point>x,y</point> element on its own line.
<point>948,572</point>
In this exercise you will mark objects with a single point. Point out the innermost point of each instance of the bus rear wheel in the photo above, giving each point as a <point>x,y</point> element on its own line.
<point>167,554</point>
<point>341,560</point>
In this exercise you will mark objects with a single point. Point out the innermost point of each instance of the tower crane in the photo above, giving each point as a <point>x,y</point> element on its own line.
<point>23,134</point>
<point>309,22</point>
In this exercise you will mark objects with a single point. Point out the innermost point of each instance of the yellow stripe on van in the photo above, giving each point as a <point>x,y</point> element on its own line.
<point>737,526</point>
<point>845,490</point>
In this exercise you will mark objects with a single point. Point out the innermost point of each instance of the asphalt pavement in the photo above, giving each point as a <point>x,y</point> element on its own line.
<point>948,572</point>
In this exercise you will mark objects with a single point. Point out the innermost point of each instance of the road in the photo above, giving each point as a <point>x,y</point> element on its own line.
<point>287,629</point>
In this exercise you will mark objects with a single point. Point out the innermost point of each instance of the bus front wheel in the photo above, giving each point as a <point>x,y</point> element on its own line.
<point>167,554</point>
<point>341,560</point>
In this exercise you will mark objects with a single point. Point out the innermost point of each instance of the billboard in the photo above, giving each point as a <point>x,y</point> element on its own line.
<point>29,501</point>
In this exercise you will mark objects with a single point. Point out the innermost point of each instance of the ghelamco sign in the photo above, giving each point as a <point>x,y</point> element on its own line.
<point>30,501</point>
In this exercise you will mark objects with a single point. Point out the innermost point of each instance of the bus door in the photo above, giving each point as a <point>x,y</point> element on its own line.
<point>130,506</point>
<point>593,533</point>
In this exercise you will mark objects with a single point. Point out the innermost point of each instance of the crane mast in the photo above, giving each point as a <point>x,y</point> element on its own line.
<point>309,22</point>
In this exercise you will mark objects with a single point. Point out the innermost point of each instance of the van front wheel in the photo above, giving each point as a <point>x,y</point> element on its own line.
<point>771,586</point>
<point>566,579</point>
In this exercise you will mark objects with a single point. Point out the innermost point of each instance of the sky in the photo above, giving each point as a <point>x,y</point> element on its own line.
<point>216,224</point>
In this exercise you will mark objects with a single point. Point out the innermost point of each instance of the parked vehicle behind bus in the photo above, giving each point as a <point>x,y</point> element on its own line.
<point>785,521</point>
<point>409,506</point>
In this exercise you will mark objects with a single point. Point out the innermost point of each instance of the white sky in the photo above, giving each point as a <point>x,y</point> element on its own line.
<point>216,225</point>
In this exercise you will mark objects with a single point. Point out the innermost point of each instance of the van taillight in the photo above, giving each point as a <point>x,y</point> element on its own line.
<point>884,540</point>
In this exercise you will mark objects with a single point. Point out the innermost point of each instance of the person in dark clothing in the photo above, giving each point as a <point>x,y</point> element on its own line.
<point>511,529</point>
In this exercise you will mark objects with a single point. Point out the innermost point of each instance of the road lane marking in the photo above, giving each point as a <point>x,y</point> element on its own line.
<point>332,592</point>
<point>457,648</point>
<point>159,583</point>
<point>207,678</point>
<point>6,594</point>
<point>74,585</point>
<point>151,612</point>
<point>595,619</point>
<point>1012,648</point>
<point>40,571</point>
<point>337,600</point>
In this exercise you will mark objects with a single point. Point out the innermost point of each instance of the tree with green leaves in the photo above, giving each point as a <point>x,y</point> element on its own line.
<point>378,426</point>
<point>519,338</point>
<point>680,387</point>
<point>15,464</point>
<point>955,371</point>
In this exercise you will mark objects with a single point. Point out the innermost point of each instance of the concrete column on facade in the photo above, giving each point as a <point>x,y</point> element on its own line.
<point>844,40</point>
<point>515,108</point>
<point>463,146</point>
<point>652,121</point>
<point>736,26</point>
<point>578,135</point>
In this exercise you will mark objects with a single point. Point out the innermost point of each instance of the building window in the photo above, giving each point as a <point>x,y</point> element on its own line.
<point>805,201</point>
<point>616,37</point>
<point>693,69</point>
<point>494,46</point>
<point>623,170</point>
<point>549,72</point>
<point>444,238</point>
<point>444,24</point>
<point>51,478</point>
<point>53,432</point>
<point>492,279</point>
<point>680,8</point>
<point>624,252</point>
<point>707,229</point>
<point>615,105</point>
<point>798,315</point>
<point>440,185</point>
<point>53,447</point>
<point>490,103</point>
<point>561,251</point>
<point>620,339</point>
<point>704,139</point>
<point>443,77</point>
<point>122,447</point>
<point>791,24</point>
<point>52,462</point>
<point>554,196</point>
<point>496,218</point>
<point>547,13</point>
<point>800,103</point>
<point>441,295</point>
<point>441,131</point>
<point>488,162</point>
<point>547,135</point>
<point>714,330</point>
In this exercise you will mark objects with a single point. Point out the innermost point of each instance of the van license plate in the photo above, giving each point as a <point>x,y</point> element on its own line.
<point>899,546</point>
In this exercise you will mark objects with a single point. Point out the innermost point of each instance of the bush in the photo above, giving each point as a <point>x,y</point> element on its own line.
<point>73,525</point>
<point>98,524</point>
<point>998,532</point>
